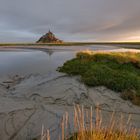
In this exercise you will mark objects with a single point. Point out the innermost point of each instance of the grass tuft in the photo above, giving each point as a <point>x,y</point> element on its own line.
<point>86,128</point>
<point>119,71</point>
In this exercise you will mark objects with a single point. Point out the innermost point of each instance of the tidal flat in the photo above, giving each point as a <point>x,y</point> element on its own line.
<point>33,93</point>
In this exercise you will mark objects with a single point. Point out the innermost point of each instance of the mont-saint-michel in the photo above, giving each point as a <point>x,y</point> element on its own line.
<point>49,38</point>
<point>70,70</point>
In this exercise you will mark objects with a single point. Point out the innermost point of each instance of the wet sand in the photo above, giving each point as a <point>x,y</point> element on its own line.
<point>29,101</point>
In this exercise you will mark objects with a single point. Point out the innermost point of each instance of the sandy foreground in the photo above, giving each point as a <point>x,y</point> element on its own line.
<point>27,103</point>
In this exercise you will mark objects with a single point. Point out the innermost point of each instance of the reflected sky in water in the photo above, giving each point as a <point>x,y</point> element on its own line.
<point>26,62</point>
<point>32,62</point>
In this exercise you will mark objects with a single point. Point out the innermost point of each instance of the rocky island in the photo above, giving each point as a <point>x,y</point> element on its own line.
<point>49,38</point>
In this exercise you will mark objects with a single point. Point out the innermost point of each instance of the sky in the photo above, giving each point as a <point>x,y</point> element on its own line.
<point>70,20</point>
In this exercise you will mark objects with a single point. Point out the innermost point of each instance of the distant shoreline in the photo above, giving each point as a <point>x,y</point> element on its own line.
<point>129,45</point>
<point>71,43</point>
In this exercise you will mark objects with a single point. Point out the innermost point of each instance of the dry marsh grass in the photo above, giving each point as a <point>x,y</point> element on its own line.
<point>87,129</point>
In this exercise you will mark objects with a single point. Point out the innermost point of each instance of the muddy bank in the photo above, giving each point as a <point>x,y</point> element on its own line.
<point>27,103</point>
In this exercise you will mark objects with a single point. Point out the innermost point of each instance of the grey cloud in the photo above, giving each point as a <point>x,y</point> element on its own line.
<point>74,20</point>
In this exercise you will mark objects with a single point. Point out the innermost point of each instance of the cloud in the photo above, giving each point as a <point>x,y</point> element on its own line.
<point>75,20</point>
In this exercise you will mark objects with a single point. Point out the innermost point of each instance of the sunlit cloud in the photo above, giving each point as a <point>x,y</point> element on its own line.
<point>75,20</point>
<point>133,38</point>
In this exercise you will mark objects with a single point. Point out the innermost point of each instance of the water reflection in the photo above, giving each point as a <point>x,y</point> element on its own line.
<point>50,52</point>
<point>46,61</point>
<point>31,62</point>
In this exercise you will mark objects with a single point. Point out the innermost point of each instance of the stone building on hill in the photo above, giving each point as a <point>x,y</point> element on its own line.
<point>49,38</point>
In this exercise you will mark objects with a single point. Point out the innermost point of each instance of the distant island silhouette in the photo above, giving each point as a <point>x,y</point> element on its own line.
<point>49,38</point>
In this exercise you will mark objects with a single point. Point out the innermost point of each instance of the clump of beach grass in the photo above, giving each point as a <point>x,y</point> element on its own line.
<point>85,128</point>
<point>118,71</point>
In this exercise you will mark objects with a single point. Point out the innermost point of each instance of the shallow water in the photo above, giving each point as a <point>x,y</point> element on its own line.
<point>25,61</point>
<point>31,62</point>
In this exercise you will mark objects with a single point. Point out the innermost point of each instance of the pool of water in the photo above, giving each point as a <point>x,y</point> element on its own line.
<point>31,62</point>
<point>24,62</point>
